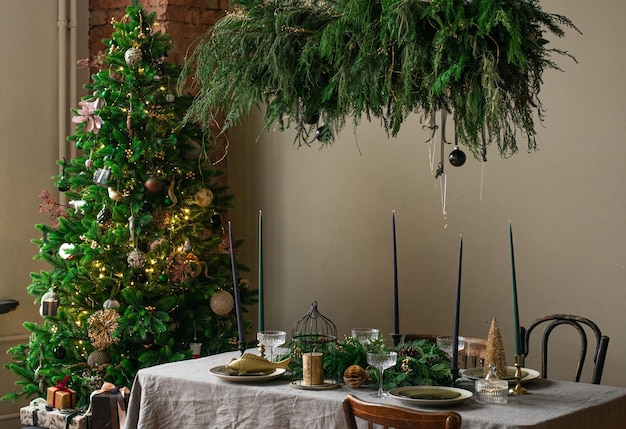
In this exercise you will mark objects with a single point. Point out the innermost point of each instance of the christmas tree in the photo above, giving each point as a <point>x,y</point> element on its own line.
<point>140,262</point>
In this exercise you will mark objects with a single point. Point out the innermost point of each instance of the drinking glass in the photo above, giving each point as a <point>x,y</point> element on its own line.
<point>382,361</point>
<point>365,335</point>
<point>271,339</point>
<point>445,344</point>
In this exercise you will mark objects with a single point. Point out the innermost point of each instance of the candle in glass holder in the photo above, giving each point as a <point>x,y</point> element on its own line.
<point>313,369</point>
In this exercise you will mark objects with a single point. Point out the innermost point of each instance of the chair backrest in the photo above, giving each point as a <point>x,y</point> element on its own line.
<point>471,356</point>
<point>391,416</point>
<point>552,321</point>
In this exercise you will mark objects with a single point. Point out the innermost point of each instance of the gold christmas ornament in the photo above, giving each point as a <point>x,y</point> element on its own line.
<point>355,376</point>
<point>98,358</point>
<point>204,197</point>
<point>495,351</point>
<point>115,195</point>
<point>222,303</point>
<point>102,326</point>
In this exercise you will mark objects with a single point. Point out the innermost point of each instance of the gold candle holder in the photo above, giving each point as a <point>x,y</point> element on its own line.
<point>518,389</point>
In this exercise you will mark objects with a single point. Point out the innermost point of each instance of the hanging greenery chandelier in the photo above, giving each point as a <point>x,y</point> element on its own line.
<point>315,63</point>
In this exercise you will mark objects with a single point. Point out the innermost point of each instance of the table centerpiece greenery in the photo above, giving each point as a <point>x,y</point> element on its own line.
<point>420,363</point>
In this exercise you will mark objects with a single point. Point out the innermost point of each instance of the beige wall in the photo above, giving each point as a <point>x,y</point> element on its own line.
<point>327,213</point>
<point>29,117</point>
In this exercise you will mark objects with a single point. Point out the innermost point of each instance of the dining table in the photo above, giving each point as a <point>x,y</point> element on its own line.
<point>192,394</point>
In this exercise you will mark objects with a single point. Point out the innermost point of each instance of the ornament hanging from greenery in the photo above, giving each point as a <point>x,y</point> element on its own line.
<point>102,326</point>
<point>136,258</point>
<point>133,56</point>
<point>98,358</point>
<point>480,60</point>
<point>49,304</point>
<point>59,352</point>
<point>222,302</point>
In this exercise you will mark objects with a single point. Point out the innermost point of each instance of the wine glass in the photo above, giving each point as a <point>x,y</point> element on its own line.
<point>365,335</point>
<point>382,361</point>
<point>446,343</point>
<point>271,339</point>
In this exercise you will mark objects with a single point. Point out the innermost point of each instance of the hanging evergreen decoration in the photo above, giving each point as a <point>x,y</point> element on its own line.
<point>314,63</point>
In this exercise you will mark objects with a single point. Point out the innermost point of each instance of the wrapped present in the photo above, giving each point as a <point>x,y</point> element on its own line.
<point>107,407</point>
<point>39,414</point>
<point>61,396</point>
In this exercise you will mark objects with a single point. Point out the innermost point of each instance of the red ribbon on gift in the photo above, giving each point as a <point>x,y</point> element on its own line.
<point>61,386</point>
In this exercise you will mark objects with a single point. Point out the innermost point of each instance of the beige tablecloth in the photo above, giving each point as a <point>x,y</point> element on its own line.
<point>186,395</point>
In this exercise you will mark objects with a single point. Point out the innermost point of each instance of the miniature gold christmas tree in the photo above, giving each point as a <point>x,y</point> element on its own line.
<point>495,351</point>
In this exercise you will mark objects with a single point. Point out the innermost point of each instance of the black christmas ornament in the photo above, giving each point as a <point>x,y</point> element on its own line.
<point>103,215</point>
<point>148,340</point>
<point>59,352</point>
<point>457,157</point>
<point>323,134</point>
<point>215,220</point>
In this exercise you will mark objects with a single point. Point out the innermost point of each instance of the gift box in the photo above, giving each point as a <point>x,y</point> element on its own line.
<point>108,407</point>
<point>38,415</point>
<point>61,397</point>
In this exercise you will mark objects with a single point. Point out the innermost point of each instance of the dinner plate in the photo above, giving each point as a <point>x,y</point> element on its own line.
<point>430,395</point>
<point>527,374</point>
<point>226,373</point>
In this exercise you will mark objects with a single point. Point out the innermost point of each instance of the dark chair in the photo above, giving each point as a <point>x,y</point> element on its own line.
<point>391,416</point>
<point>550,322</point>
<point>471,356</point>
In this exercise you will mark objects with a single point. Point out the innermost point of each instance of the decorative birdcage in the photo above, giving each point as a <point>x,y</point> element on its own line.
<point>312,336</point>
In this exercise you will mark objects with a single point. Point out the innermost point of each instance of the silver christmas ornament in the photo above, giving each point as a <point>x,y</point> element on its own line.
<point>133,56</point>
<point>136,259</point>
<point>49,304</point>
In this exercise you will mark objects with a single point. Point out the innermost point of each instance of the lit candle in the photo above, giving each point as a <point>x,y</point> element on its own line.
<point>261,326</point>
<point>455,337</point>
<point>518,344</point>
<point>242,341</point>
<point>396,315</point>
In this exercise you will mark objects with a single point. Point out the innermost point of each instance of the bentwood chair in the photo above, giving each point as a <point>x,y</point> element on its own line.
<point>471,356</point>
<point>550,322</point>
<point>391,416</point>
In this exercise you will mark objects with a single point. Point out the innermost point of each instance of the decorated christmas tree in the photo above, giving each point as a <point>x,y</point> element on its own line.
<point>140,268</point>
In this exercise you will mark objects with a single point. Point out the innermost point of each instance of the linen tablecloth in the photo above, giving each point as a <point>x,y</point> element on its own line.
<point>186,395</point>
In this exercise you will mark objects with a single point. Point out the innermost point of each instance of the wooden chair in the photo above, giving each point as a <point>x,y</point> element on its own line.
<point>391,416</point>
<point>471,356</point>
<point>579,323</point>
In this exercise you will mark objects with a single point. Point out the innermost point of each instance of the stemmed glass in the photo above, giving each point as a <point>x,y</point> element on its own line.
<point>446,343</point>
<point>365,335</point>
<point>271,339</point>
<point>382,361</point>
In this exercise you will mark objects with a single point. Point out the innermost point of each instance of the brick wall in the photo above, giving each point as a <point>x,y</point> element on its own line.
<point>183,20</point>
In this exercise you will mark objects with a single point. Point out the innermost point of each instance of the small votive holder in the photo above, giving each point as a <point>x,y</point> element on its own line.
<point>196,349</point>
<point>491,390</point>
